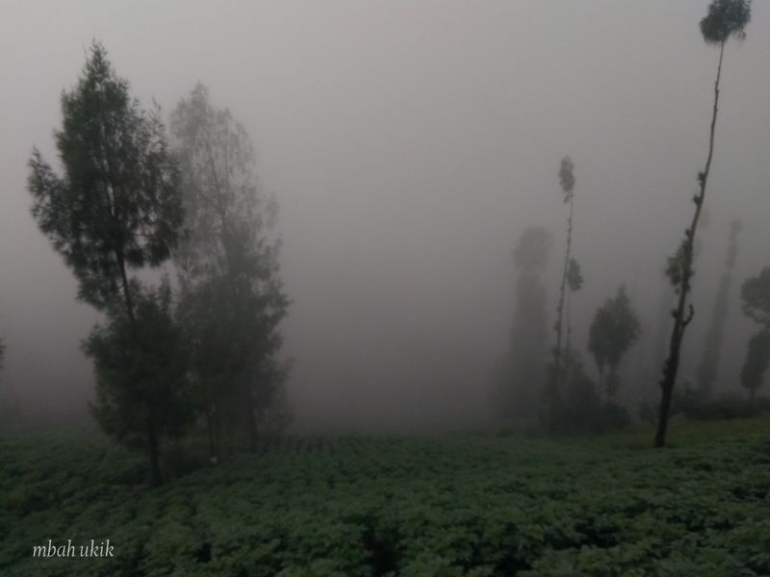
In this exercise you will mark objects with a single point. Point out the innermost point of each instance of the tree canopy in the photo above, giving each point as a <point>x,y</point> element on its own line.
<point>725,18</point>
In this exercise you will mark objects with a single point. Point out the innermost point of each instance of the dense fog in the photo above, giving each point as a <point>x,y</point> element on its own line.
<point>409,145</point>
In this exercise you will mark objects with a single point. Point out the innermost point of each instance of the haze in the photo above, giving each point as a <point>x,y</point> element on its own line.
<point>409,145</point>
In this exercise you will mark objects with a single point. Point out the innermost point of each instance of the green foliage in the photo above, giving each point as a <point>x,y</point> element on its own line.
<point>725,18</point>
<point>757,361</point>
<point>141,371</point>
<point>403,506</point>
<point>117,204</point>
<point>613,331</point>
<point>755,297</point>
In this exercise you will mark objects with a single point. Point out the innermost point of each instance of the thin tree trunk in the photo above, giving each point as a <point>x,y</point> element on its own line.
<point>671,366</point>
<point>560,309</point>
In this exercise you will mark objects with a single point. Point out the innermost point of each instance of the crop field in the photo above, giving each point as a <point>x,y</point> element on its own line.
<point>453,505</point>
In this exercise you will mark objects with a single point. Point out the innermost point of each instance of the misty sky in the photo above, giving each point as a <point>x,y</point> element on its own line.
<point>409,144</point>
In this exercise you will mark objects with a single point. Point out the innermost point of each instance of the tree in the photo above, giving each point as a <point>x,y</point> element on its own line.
<point>757,361</point>
<point>114,210</point>
<point>567,180</point>
<point>142,394</point>
<point>725,18</point>
<point>520,373</point>
<point>614,330</point>
<point>709,364</point>
<point>232,294</point>
<point>755,297</point>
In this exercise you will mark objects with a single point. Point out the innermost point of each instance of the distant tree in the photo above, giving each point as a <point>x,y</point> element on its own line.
<point>521,373</point>
<point>232,294</point>
<point>709,364</point>
<point>567,180</point>
<point>755,297</point>
<point>142,395</point>
<point>757,361</point>
<point>725,18</point>
<point>116,208</point>
<point>614,330</point>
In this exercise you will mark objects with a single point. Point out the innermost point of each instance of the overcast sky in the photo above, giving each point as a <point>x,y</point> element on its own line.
<point>409,144</point>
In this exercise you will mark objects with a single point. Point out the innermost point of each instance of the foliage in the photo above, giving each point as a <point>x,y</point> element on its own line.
<point>232,295</point>
<point>725,18</point>
<point>574,276</point>
<point>755,297</point>
<point>613,331</point>
<point>142,394</point>
<point>694,406</point>
<point>467,505</point>
<point>757,361</point>
<point>116,207</point>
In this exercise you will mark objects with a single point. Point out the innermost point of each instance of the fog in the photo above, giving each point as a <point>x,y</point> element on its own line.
<point>409,145</point>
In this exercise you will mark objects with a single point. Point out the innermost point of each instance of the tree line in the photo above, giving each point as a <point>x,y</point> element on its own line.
<point>132,197</point>
<point>559,390</point>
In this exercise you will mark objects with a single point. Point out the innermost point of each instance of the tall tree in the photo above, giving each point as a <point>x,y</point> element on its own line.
<point>567,180</point>
<point>614,330</point>
<point>709,364</point>
<point>518,382</point>
<point>232,294</point>
<point>725,18</point>
<point>114,210</point>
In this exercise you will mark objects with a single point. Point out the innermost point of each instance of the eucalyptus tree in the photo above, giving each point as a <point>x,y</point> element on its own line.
<point>114,211</point>
<point>725,19</point>
<point>567,181</point>
<point>709,364</point>
<point>232,294</point>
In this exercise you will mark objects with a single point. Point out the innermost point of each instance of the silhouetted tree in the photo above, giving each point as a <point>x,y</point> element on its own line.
<point>142,395</point>
<point>614,330</point>
<point>520,374</point>
<point>725,18</point>
<point>709,365</point>
<point>115,209</point>
<point>232,295</point>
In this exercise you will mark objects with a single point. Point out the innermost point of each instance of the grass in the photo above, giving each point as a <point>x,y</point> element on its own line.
<point>457,505</point>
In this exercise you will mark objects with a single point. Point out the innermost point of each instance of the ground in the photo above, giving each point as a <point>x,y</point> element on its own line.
<point>479,504</point>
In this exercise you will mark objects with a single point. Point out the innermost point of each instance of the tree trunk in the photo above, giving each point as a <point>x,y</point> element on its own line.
<point>671,365</point>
